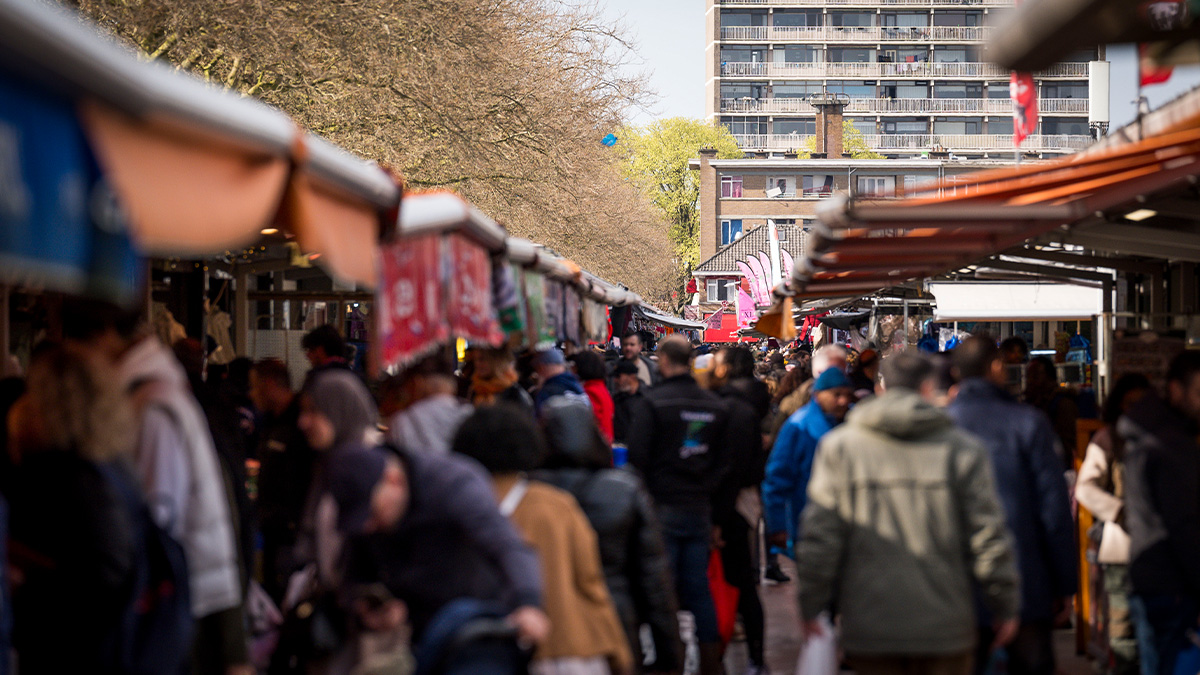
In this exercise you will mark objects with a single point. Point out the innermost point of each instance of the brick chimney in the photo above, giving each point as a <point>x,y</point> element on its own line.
<point>829,125</point>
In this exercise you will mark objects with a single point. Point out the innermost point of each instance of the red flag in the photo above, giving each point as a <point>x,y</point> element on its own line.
<point>1150,72</point>
<point>1023,93</point>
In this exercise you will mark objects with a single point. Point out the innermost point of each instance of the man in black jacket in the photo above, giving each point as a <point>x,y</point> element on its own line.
<point>1162,514</point>
<point>628,396</point>
<point>678,440</point>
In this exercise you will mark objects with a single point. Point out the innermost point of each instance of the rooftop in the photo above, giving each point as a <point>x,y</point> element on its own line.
<point>725,260</point>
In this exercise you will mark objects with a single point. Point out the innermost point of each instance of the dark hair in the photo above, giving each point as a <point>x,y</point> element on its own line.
<point>635,334</point>
<point>572,438</point>
<point>589,366</point>
<point>326,338</point>
<point>1047,367</point>
<point>739,360</point>
<point>1184,367</point>
<point>274,370</point>
<point>907,370</point>
<point>502,438</point>
<point>943,366</point>
<point>1126,384</point>
<point>1015,342</point>
<point>974,357</point>
<point>791,382</point>
<point>675,349</point>
<point>86,318</point>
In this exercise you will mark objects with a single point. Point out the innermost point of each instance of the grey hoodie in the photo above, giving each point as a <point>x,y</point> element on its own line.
<point>902,517</point>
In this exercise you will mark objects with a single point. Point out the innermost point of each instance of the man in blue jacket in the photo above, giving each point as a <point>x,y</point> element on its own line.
<point>1029,478</point>
<point>785,487</point>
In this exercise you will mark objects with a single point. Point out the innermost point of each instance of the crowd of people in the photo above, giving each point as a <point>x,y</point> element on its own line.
<point>554,511</point>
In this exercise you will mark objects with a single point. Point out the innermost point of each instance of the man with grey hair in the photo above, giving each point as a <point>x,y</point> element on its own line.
<point>903,520</point>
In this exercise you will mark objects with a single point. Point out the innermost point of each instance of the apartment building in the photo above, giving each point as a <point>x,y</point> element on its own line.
<point>913,74</point>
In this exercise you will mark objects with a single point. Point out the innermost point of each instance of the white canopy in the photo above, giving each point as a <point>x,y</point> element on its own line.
<point>1015,301</point>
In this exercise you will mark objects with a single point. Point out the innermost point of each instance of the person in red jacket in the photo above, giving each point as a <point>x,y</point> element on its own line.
<point>590,369</point>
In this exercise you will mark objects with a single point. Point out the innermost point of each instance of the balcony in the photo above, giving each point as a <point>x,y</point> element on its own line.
<point>872,3</point>
<point>917,70</point>
<point>919,143</point>
<point>904,106</point>
<point>871,34</point>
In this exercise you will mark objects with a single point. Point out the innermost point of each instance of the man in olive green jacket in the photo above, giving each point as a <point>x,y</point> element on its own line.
<point>903,520</point>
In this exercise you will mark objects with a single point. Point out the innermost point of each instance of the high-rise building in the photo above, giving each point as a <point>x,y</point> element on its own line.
<point>914,72</point>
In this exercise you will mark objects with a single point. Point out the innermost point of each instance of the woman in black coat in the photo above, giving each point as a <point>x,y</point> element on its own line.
<point>620,510</point>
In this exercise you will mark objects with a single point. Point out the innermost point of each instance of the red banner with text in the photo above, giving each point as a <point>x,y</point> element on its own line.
<point>410,299</point>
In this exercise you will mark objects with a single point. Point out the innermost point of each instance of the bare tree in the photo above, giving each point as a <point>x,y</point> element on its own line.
<point>503,101</point>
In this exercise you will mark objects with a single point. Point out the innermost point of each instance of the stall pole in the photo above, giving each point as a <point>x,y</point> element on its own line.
<point>5,340</point>
<point>241,313</point>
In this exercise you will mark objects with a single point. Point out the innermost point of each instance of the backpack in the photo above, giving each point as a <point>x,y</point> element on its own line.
<point>155,634</point>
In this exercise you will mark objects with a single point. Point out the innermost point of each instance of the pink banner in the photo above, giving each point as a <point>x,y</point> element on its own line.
<point>745,309</point>
<point>410,299</point>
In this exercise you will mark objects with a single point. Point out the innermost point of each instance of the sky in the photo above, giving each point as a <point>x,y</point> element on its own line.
<point>670,38</point>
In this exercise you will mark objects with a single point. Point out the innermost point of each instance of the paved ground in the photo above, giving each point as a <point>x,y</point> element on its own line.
<point>783,637</point>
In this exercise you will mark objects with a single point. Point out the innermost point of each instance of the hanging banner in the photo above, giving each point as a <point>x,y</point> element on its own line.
<point>595,321</point>
<point>469,281</point>
<point>1023,93</point>
<point>571,309</point>
<point>554,310</point>
<point>506,296</point>
<point>537,323</point>
<point>410,300</point>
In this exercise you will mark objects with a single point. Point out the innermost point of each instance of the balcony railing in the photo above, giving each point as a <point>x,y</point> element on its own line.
<point>874,3</point>
<point>826,34</point>
<point>903,105</point>
<point>920,69</point>
<point>916,143</point>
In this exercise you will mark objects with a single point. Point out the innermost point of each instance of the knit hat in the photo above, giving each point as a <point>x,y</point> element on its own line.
<point>831,379</point>
<point>339,394</point>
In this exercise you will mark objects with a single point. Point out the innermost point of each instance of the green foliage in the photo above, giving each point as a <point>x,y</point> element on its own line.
<point>655,159</point>
<point>853,144</point>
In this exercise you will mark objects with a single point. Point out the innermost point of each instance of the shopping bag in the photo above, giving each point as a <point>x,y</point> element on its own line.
<point>819,654</point>
<point>725,597</point>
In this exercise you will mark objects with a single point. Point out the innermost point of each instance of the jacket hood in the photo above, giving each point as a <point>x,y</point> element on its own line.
<point>150,359</point>
<point>901,414</point>
<point>1151,417</point>
<point>571,433</point>
<point>340,396</point>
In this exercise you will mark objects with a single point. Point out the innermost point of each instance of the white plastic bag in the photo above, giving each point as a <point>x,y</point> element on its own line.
<point>819,654</point>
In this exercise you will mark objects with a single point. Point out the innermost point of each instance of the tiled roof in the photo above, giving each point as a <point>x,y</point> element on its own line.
<point>750,243</point>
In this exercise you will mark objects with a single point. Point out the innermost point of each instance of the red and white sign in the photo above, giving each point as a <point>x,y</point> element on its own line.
<point>410,299</point>
<point>1023,93</point>
<point>469,305</point>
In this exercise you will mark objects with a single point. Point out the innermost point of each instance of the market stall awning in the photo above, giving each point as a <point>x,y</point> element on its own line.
<point>1015,301</point>
<point>198,170</point>
<point>863,246</point>
<point>656,316</point>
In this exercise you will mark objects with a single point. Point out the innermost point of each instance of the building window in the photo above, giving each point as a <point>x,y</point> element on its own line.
<point>905,19</point>
<point>905,125</point>
<point>954,55</point>
<point>1077,126</point>
<point>958,90</point>
<point>1000,127</point>
<point>745,125</point>
<point>851,55</point>
<point>1065,90</point>
<point>818,185</point>
<point>852,18</point>
<point>852,88</point>
<point>904,89</point>
<point>865,125</point>
<point>741,54</point>
<point>916,183</point>
<point>730,231</point>
<point>957,125</point>
<point>737,18</point>
<point>877,186</point>
<point>718,290</point>
<point>796,17</point>
<point>786,187</point>
<point>801,126</point>
<point>798,54</point>
<point>998,90</point>
<point>731,186</point>
<point>958,18</point>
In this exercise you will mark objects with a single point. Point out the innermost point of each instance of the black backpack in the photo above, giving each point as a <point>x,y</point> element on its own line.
<point>155,635</point>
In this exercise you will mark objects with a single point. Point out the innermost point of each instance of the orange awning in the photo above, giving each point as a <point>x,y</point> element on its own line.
<point>862,246</point>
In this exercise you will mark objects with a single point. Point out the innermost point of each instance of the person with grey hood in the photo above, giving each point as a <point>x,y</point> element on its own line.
<point>619,508</point>
<point>434,411</point>
<point>903,519</point>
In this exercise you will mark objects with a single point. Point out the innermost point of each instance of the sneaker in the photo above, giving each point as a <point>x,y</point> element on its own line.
<point>775,574</point>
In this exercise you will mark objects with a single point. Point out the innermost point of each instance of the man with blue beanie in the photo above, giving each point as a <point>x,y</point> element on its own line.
<point>784,490</point>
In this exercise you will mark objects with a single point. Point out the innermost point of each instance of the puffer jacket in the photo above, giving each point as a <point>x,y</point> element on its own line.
<point>619,508</point>
<point>1032,488</point>
<point>1162,499</point>
<point>903,517</point>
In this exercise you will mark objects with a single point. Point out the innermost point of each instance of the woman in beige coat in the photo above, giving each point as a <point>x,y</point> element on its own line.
<point>1100,488</point>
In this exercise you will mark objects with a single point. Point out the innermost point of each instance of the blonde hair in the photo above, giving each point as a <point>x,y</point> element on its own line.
<point>78,406</point>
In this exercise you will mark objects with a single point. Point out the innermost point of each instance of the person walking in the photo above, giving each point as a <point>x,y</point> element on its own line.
<point>1100,488</point>
<point>1162,507</point>
<point>590,369</point>
<point>903,520</point>
<point>628,397</point>
<point>433,411</point>
<point>1023,450</point>
<point>678,441</point>
<point>586,637</point>
<point>748,403</point>
<point>554,379</point>
<point>632,348</point>
<point>785,484</point>
<point>619,508</point>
